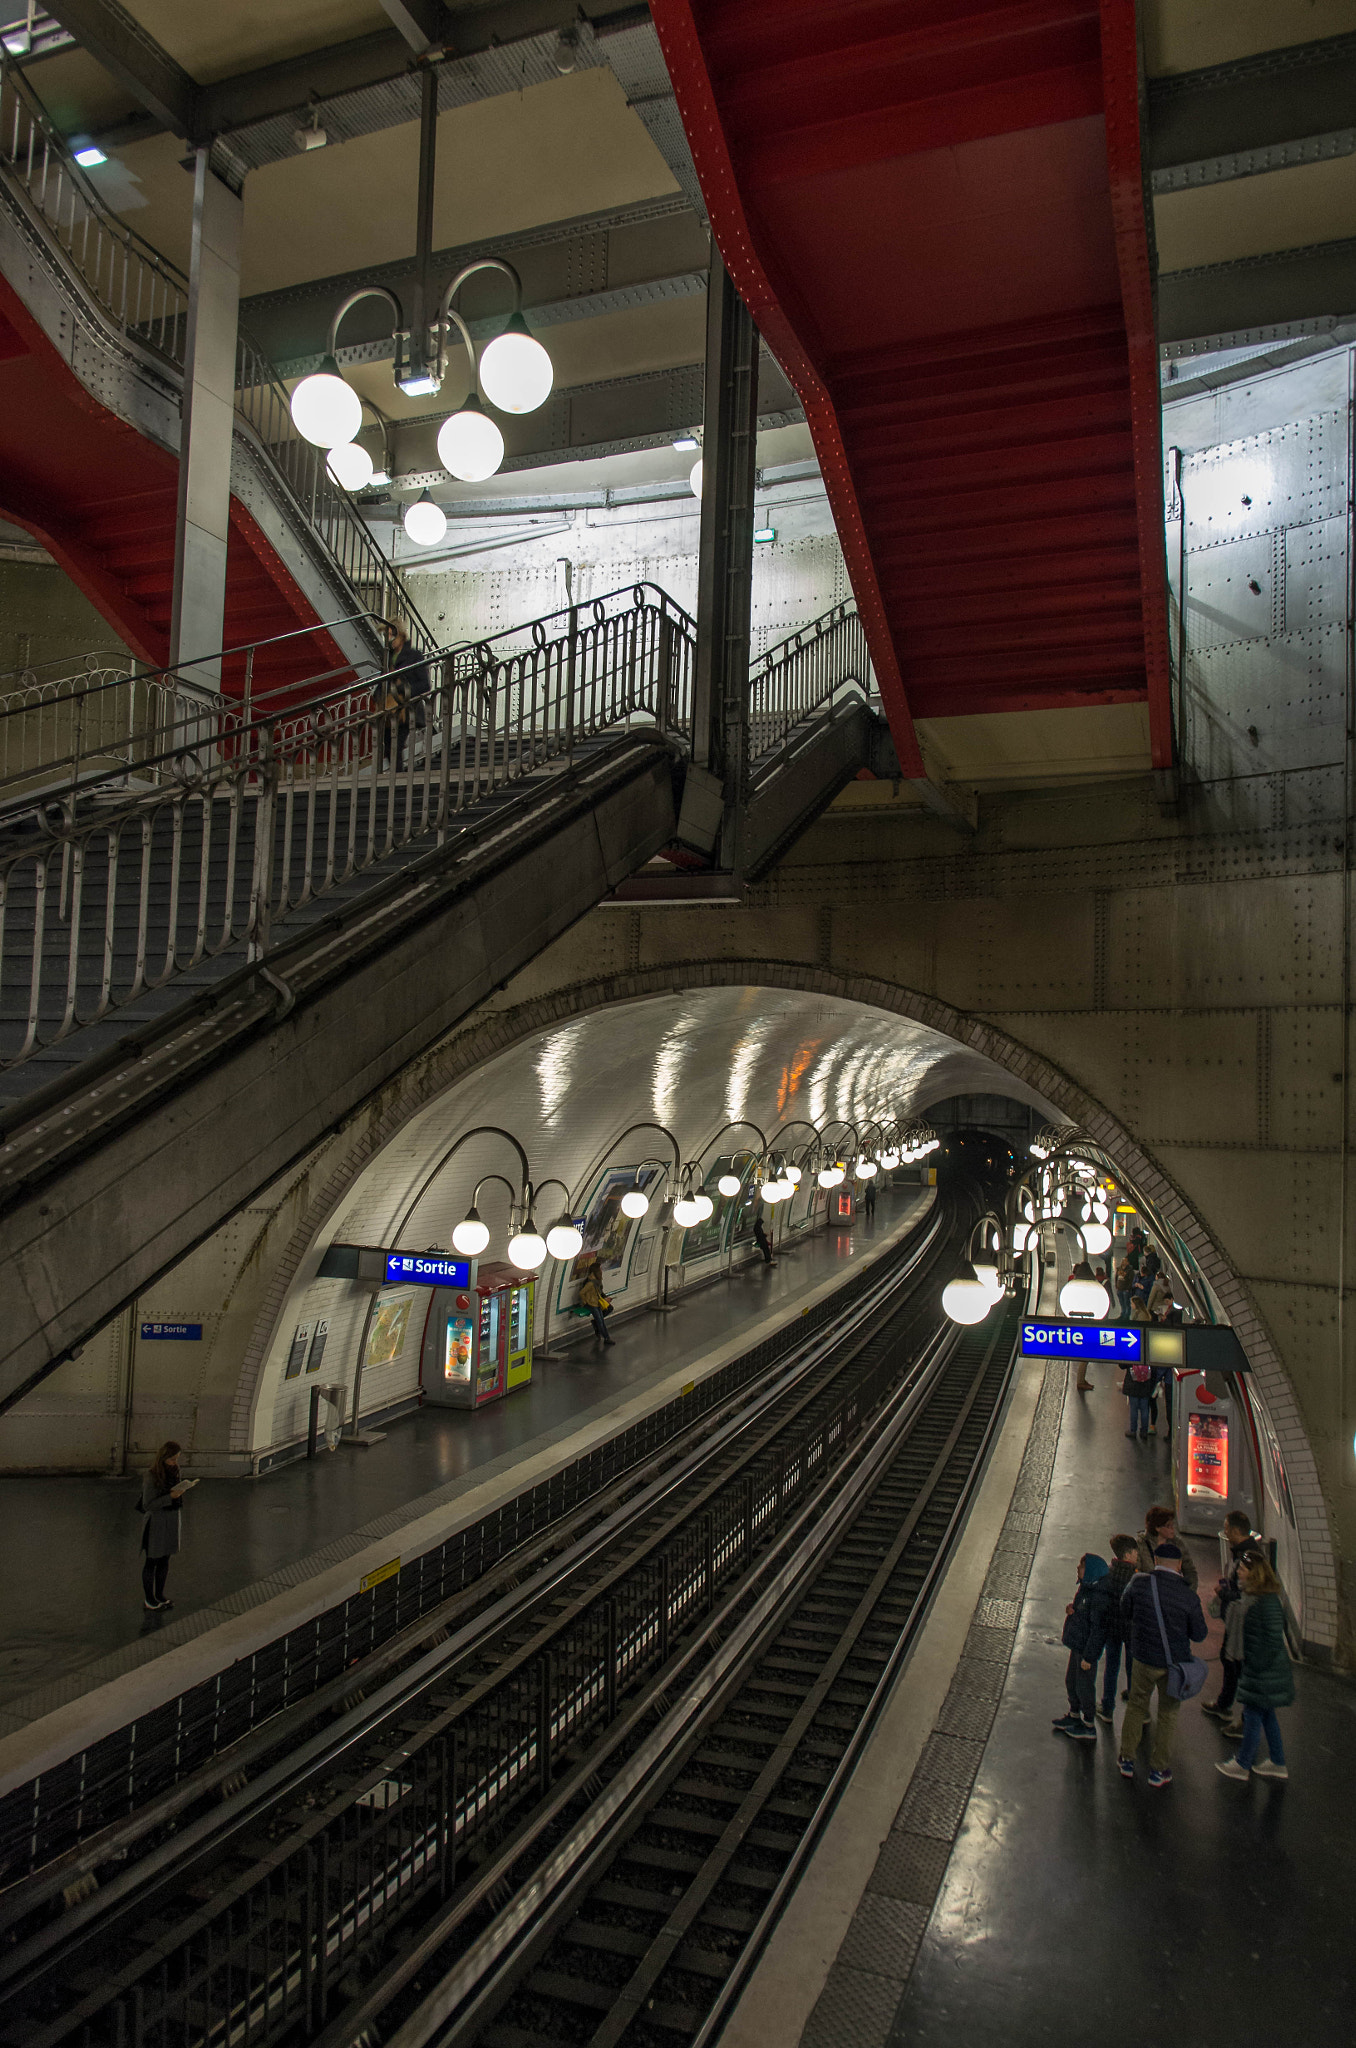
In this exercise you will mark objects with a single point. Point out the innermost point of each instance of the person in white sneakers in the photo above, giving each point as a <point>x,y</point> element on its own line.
<point>1267,1681</point>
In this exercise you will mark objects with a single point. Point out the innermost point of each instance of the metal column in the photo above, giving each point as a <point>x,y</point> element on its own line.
<point>197,620</point>
<point>729,468</point>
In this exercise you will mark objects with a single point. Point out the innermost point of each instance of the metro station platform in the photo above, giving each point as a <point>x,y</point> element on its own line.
<point>260,1554</point>
<point>985,1879</point>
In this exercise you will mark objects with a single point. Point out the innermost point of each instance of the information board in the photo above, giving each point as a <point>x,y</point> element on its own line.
<point>1048,1337</point>
<point>426,1269</point>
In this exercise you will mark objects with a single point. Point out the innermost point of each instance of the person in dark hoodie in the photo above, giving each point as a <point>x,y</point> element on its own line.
<point>1086,1620</point>
<point>1183,1623</point>
<point>1124,1565</point>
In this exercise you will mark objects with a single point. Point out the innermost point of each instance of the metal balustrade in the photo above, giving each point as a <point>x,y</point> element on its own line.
<point>804,673</point>
<point>240,816</point>
<point>143,298</point>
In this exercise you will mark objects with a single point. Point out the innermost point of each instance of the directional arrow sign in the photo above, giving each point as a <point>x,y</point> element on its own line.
<point>1050,1337</point>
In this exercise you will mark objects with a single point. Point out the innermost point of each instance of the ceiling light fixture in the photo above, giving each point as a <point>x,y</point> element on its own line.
<point>685,444</point>
<point>425,522</point>
<point>763,534</point>
<point>350,465</point>
<point>86,153</point>
<point>695,478</point>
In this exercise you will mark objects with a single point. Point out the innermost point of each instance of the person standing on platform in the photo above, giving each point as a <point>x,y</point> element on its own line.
<point>1135,1383</point>
<point>1086,1621</point>
<point>1125,1563</point>
<point>760,1238</point>
<point>593,1298</point>
<point>1160,1526</point>
<point>869,1201</point>
<point>161,1502</point>
<point>1182,1623</point>
<point>1231,1598</point>
<point>1124,1277</point>
<point>1267,1680</point>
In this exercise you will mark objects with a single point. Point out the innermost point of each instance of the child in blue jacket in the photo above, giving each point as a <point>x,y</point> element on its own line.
<point>1087,1620</point>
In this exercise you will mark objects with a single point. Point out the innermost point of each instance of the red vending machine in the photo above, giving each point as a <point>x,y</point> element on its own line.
<point>842,1205</point>
<point>478,1341</point>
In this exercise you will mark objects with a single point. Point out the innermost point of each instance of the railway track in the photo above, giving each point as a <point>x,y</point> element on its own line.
<point>671,1860</point>
<point>264,1917</point>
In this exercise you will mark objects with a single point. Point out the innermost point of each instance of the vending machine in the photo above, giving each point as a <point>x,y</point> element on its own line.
<point>1210,1474</point>
<point>478,1339</point>
<point>842,1206</point>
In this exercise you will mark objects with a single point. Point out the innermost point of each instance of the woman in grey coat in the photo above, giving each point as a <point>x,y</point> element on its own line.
<point>162,1493</point>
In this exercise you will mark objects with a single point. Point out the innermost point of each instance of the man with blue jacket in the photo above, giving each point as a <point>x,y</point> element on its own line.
<point>1183,1624</point>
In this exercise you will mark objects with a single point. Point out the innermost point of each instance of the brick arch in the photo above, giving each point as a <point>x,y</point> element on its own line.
<point>497,1032</point>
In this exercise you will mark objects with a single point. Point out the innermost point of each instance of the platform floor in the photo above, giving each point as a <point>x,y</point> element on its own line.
<point>71,1614</point>
<point>1019,1890</point>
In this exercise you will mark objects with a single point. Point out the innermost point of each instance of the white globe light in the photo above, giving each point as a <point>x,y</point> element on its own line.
<point>839,1174</point>
<point>634,1202</point>
<point>771,1192</point>
<point>866,1169</point>
<point>526,1251</point>
<point>965,1299</point>
<point>1097,1238</point>
<point>325,410</point>
<point>827,1177</point>
<point>794,1175</point>
<point>564,1241</point>
<point>471,1236</point>
<point>728,1185</point>
<point>685,1212</point>
<point>350,465</point>
<point>470,445</point>
<point>425,522</point>
<point>1021,1232</point>
<point>889,1160</point>
<point>515,370</point>
<point>1081,1295</point>
<point>695,478</point>
<point>704,1207</point>
<point>1100,1210</point>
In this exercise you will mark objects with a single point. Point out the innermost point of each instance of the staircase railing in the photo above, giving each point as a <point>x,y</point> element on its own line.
<point>144,298</point>
<point>76,722</point>
<point>804,673</point>
<point>251,816</point>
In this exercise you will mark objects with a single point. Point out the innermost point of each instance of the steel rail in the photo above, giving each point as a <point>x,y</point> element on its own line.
<point>470,1995</point>
<point>36,1957</point>
<point>590,1529</point>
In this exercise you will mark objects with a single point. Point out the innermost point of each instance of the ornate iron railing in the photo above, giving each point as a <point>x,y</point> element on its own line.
<point>250,814</point>
<point>803,673</point>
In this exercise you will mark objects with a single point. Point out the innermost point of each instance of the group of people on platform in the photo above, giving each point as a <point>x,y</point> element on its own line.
<point>1144,1609</point>
<point>1144,1294</point>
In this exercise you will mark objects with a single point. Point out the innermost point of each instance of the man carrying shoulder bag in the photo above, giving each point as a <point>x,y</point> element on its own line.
<point>1163,1618</point>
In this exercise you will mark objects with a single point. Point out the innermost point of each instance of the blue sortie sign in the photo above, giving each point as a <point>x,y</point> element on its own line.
<point>183,1333</point>
<point>1045,1335</point>
<point>426,1269</point>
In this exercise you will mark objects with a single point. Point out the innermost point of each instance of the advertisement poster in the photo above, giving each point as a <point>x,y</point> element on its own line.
<point>387,1336</point>
<point>707,1237</point>
<point>606,1229</point>
<point>457,1353</point>
<point>1207,1457</point>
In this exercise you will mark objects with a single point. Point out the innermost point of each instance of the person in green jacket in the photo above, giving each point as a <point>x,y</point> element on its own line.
<point>1267,1681</point>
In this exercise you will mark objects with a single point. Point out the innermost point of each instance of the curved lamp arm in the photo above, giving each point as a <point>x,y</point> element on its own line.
<point>480,1131</point>
<point>448,318</point>
<point>554,1182</point>
<point>513,1195</point>
<point>400,332</point>
<point>739,1123</point>
<point>664,1131</point>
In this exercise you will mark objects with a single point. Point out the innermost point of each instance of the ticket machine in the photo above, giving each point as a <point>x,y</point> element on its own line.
<point>478,1339</point>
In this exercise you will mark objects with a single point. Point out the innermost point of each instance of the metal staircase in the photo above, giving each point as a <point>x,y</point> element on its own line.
<point>115,314</point>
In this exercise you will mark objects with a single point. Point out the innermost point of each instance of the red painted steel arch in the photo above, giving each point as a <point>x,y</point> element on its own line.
<point>935,211</point>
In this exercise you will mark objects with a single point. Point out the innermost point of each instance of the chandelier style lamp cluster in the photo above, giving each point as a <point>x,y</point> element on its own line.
<point>513,372</point>
<point>1059,1192</point>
